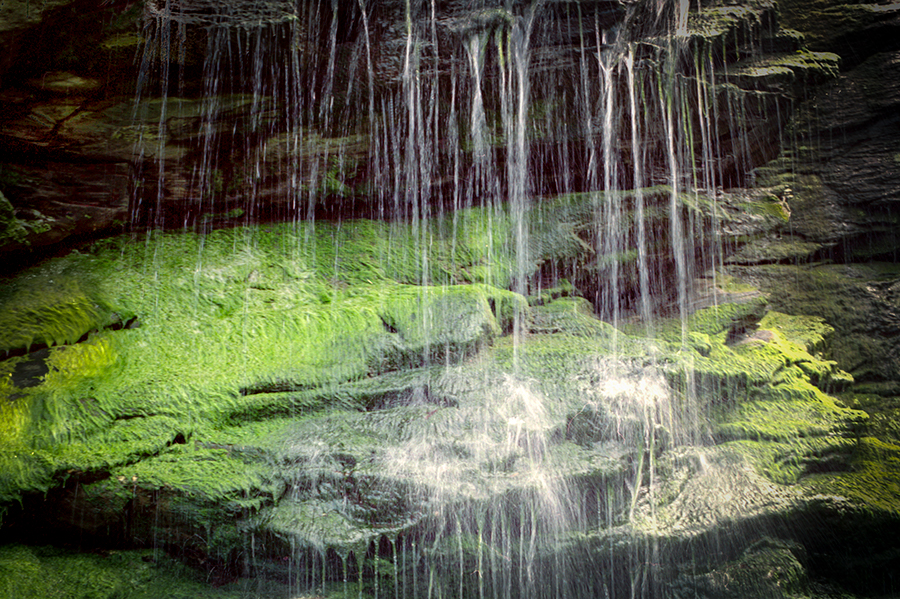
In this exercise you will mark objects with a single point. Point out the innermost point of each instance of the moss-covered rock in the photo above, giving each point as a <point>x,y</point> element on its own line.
<point>835,25</point>
<point>854,299</point>
<point>787,73</point>
<point>36,571</point>
<point>305,392</point>
<point>768,568</point>
<point>214,320</point>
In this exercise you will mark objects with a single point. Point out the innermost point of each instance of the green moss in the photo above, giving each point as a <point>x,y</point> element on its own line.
<point>782,413</point>
<point>271,369</point>
<point>759,382</point>
<point>27,574</point>
<point>853,299</point>
<point>873,481</point>
<point>797,337</point>
<point>322,526</point>
<point>15,413</point>
<point>237,324</point>
<point>801,65</point>
<point>563,288</point>
<point>446,321</point>
<point>809,332</point>
<point>730,284</point>
<point>198,472</point>
<point>123,442</point>
<point>33,572</point>
<point>23,470</point>
<point>883,411</point>
<point>786,463</point>
<point>723,318</point>
<point>52,307</point>
<point>773,207</point>
<point>570,315</point>
<point>785,425</point>
<point>715,22</point>
<point>60,408</point>
<point>555,359</point>
<point>786,403</point>
<point>206,488</point>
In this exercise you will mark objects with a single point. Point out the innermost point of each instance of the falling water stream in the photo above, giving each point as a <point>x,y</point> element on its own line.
<point>408,111</point>
<point>485,107</point>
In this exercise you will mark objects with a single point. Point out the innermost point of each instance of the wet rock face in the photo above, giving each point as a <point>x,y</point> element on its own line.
<point>80,160</point>
<point>855,31</point>
<point>319,401</point>
<point>65,164</point>
<point>298,142</point>
<point>284,401</point>
<point>841,178</point>
<point>17,17</point>
<point>857,129</point>
<point>839,185</point>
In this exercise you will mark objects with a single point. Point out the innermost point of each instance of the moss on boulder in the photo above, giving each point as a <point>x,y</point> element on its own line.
<point>854,299</point>
<point>768,568</point>
<point>313,390</point>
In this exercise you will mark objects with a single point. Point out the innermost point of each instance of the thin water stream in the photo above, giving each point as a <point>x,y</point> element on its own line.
<point>411,111</point>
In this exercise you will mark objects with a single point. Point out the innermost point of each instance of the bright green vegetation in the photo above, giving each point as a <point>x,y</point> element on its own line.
<point>795,67</point>
<point>873,479</point>
<point>872,474</point>
<point>214,320</point>
<point>51,308</point>
<point>322,384</point>
<point>146,574</point>
<point>854,299</point>
<point>784,408</point>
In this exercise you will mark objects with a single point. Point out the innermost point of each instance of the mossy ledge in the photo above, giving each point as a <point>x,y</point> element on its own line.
<point>298,389</point>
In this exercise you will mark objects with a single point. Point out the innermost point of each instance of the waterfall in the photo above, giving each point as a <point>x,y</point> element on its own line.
<point>327,111</point>
<point>301,119</point>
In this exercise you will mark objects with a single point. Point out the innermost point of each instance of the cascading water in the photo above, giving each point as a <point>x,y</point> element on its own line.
<point>309,112</point>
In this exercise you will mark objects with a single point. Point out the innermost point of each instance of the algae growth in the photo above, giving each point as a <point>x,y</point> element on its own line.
<point>257,393</point>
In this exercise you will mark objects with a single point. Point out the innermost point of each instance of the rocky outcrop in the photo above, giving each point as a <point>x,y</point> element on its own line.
<point>837,187</point>
<point>66,85</point>
<point>268,401</point>
<point>235,368</point>
<point>81,160</point>
<point>17,19</point>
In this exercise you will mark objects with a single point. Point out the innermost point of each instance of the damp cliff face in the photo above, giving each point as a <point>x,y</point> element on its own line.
<point>503,299</point>
<point>294,405</point>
